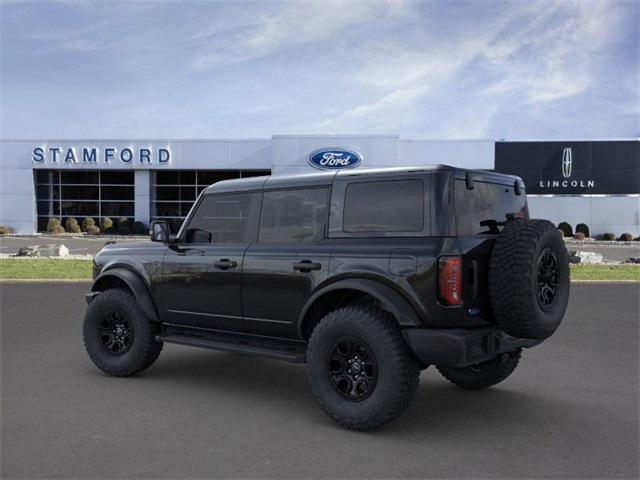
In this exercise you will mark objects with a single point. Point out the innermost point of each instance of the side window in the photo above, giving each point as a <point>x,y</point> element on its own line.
<point>386,206</point>
<point>294,216</point>
<point>221,219</point>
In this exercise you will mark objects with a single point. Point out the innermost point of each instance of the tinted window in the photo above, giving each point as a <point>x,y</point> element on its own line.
<point>487,201</point>
<point>221,219</point>
<point>294,216</point>
<point>390,206</point>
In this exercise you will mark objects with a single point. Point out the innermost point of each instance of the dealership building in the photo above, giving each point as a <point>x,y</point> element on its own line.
<point>596,182</point>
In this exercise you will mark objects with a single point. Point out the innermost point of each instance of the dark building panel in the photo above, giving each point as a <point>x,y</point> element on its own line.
<point>587,167</point>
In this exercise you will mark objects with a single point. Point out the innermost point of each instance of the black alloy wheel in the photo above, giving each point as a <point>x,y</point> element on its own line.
<point>116,332</point>
<point>353,369</point>
<point>547,278</point>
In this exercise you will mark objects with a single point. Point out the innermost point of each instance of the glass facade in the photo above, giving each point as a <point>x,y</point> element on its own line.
<point>175,191</point>
<point>87,193</point>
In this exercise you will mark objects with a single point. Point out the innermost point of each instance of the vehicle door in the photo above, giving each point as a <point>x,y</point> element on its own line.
<point>202,270</point>
<point>289,260</point>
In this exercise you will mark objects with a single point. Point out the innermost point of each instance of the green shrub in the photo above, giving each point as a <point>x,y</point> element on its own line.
<point>93,230</point>
<point>71,225</point>
<point>57,230</point>
<point>124,226</point>
<point>107,225</point>
<point>566,228</point>
<point>608,236</point>
<point>583,228</point>
<point>69,222</point>
<point>579,236</point>
<point>88,222</point>
<point>52,224</point>
<point>626,237</point>
<point>561,233</point>
<point>138,228</point>
<point>5,230</point>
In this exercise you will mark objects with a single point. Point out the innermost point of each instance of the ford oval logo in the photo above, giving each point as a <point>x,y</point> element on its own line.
<point>334,158</point>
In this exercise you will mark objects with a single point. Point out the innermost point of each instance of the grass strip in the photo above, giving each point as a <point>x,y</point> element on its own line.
<point>37,269</point>
<point>49,268</point>
<point>605,272</point>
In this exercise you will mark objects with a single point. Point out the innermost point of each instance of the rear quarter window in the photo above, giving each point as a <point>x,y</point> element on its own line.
<point>394,206</point>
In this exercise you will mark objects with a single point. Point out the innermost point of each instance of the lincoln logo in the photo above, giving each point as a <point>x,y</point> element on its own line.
<point>567,160</point>
<point>334,158</point>
<point>567,167</point>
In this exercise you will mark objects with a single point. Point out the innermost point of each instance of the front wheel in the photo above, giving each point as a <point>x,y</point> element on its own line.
<point>483,375</point>
<point>118,337</point>
<point>360,368</point>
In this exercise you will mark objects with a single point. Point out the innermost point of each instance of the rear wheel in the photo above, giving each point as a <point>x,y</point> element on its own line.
<point>360,368</point>
<point>482,375</point>
<point>118,337</point>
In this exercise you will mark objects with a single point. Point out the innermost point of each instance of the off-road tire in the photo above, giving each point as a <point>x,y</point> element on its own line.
<point>398,371</point>
<point>514,279</point>
<point>143,350</point>
<point>483,375</point>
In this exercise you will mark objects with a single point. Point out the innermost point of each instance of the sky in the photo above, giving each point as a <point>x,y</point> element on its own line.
<point>420,70</point>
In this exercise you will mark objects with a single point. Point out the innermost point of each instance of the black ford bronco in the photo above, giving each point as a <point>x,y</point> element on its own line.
<point>368,276</point>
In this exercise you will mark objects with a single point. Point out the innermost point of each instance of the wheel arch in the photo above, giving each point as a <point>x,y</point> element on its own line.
<point>121,277</point>
<point>346,291</point>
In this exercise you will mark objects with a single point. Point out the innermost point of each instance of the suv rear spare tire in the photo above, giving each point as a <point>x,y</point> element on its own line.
<point>529,278</point>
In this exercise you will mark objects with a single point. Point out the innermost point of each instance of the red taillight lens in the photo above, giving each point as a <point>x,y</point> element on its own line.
<point>450,280</point>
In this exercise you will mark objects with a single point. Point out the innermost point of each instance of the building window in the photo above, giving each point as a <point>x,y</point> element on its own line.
<point>175,191</point>
<point>92,193</point>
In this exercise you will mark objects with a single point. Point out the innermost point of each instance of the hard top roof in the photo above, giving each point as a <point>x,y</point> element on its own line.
<point>324,178</point>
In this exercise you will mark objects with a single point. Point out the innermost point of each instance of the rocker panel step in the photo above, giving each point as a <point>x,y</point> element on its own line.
<point>289,351</point>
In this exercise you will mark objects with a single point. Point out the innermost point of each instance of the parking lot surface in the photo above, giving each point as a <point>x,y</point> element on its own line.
<point>569,411</point>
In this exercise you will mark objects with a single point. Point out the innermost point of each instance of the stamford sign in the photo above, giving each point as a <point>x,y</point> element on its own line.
<point>95,155</point>
<point>334,158</point>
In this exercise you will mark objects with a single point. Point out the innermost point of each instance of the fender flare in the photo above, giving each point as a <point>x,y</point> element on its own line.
<point>137,286</point>
<point>392,301</point>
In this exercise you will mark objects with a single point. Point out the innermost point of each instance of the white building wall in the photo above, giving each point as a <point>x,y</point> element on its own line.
<point>142,196</point>
<point>17,188</point>
<point>289,152</point>
<point>616,214</point>
<point>477,154</point>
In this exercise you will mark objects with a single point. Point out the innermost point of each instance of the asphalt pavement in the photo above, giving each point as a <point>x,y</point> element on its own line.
<point>570,410</point>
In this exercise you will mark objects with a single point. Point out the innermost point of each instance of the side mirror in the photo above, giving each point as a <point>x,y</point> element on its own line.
<point>159,231</point>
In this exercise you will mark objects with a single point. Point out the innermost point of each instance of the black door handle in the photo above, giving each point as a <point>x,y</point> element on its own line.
<point>306,266</point>
<point>225,264</point>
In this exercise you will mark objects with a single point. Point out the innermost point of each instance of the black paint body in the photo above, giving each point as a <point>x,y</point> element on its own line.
<point>265,290</point>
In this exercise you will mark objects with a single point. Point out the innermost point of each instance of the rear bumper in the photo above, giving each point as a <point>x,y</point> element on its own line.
<point>459,347</point>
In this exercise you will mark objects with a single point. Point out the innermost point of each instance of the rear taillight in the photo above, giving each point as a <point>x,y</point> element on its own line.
<point>450,280</point>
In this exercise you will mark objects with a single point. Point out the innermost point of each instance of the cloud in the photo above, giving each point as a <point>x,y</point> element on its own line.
<point>421,69</point>
<point>553,57</point>
<point>541,52</point>
<point>394,101</point>
<point>287,25</point>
